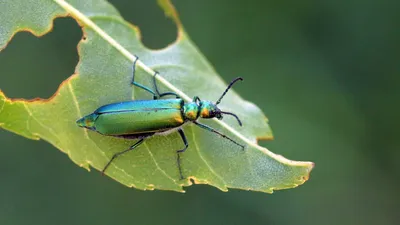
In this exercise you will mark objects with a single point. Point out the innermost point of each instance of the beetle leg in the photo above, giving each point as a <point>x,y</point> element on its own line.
<point>158,92</point>
<point>182,134</point>
<point>139,85</point>
<point>169,93</point>
<point>217,132</point>
<point>146,88</point>
<point>197,100</point>
<point>120,153</point>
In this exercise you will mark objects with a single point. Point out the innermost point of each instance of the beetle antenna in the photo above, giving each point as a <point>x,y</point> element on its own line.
<point>227,89</point>
<point>229,113</point>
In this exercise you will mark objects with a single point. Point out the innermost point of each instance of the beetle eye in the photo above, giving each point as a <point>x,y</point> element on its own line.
<point>214,113</point>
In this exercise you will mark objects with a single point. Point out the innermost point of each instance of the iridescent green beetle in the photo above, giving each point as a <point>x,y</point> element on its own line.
<point>141,119</point>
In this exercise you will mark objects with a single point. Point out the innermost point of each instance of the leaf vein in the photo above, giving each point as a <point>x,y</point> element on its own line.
<point>2,106</point>
<point>77,106</point>
<point>202,158</point>
<point>115,166</point>
<point>158,166</point>
<point>28,127</point>
<point>51,131</point>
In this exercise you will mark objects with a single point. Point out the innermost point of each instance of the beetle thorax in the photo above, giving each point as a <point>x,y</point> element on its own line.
<point>191,111</point>
<point>204,109</point>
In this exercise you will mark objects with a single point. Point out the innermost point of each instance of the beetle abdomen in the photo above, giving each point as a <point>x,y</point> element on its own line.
<point>133,122</point>
<point>135,117</point>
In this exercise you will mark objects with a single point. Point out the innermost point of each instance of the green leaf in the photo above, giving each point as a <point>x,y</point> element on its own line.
<point>103,76</point>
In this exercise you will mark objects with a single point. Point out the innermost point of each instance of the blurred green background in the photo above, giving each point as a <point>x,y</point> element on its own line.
<point>326,73</point>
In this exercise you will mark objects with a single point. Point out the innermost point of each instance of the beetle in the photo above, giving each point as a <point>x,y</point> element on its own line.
<point>141,119</point>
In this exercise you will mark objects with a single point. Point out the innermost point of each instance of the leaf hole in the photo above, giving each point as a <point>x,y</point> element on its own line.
<point>157,31</point>
<point>33,67</point>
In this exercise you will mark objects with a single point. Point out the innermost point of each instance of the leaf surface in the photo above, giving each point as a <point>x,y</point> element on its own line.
<point>103,76</point>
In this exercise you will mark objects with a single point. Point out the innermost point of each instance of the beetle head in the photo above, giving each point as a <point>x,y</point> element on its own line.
<point>211,110</point>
